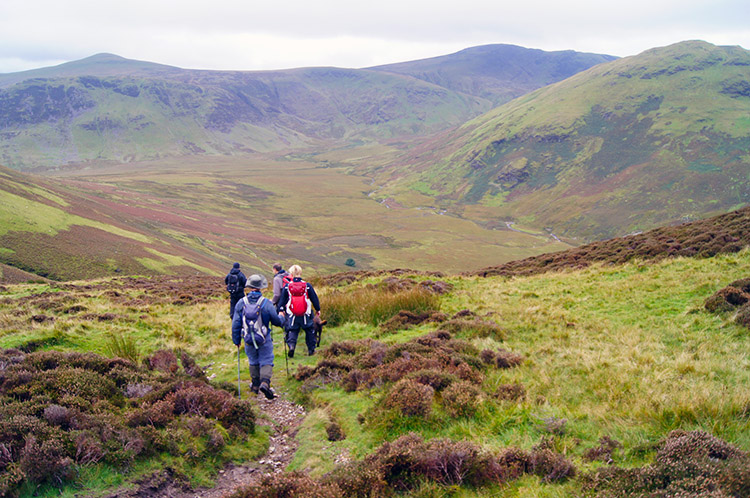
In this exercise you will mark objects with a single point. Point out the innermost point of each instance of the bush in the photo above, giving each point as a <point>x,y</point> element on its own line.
<point>551,466</point>
<point>411,398</point>
<point>45,461</point>
<point>726,299</point>
<point>436,379</point>
<point>687,464</point>
<point>604,452</point>
<point>163,361</point>
<point>510,392</point>
<point>461,399</point>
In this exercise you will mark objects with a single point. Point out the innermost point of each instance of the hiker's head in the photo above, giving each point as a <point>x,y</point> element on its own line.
<point>236,265</point>
<point>256,282</point>
<point>295,271</point>
<point>277,267</point>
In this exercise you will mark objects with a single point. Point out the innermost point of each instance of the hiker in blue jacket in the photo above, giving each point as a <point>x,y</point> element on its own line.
<point>259,352</point>
<point>235,282</point>
<point>299,318</point>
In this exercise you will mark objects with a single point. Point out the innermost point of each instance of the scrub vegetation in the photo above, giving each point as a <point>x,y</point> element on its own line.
<point>593,381</point>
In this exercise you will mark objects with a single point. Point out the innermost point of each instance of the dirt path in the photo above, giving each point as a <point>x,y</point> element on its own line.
<point>283,416</point>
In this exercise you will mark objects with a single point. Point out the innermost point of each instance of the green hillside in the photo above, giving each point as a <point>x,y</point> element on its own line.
<point>109,108</point>
<point>612,380</point>
<point>625,146</point>
<point>55,232</point>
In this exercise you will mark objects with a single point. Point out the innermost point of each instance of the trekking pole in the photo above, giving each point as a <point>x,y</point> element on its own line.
<point>286,359</point>
<point>239,391</point>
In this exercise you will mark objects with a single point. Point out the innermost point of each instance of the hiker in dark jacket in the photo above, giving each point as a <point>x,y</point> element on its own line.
<point>259,356</point>
<point>296,319</point>
<point>278,282</point>
<point>235,282</point>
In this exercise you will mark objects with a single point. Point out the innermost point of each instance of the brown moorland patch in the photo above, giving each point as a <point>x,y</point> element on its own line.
<point>687,464</point>
<point>705,238</point>
<point>400,466</point>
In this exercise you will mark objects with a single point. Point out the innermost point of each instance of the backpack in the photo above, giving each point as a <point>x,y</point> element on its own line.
<point>286,280</point>
<point>253,329</point>
<point>299,304</point>
<point>233,283</point>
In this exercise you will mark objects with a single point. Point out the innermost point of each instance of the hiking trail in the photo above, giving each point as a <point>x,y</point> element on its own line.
<point>283,416</point>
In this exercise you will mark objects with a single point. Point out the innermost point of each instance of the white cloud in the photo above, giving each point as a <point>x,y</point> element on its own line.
<point>247,35</point>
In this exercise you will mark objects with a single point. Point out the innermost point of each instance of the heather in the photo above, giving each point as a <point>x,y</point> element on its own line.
<point>61,412</point>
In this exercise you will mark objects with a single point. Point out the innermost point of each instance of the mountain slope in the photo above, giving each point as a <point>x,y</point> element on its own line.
<point>109,108</point>
<point>498,73</point>
<point>52,230</point>
<point>624,146</point>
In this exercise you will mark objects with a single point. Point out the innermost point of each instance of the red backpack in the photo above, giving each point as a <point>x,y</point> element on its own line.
<point>299,304</point>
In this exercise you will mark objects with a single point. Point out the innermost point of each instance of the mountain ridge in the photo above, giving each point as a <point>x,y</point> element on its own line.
<point>109,108</point>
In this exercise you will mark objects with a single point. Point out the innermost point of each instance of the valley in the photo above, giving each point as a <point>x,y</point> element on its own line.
<point>534,269</point>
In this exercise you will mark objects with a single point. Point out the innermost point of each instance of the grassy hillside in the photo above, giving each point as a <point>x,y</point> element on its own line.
<point>622,147</point>
<point>109,108</point>
<point>555,381</point>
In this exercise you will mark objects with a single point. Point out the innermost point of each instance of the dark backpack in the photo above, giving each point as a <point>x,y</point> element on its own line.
<point>233,283</point>
<point>253,330</point>
<point>299,304</point>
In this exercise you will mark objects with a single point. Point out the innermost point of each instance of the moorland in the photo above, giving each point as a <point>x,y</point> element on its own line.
<point>600,378</point>
<point>534,268</point>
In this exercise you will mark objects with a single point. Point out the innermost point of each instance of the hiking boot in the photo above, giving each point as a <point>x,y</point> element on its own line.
<point>266,390</point>
<point>310,353</point>
<point>254,388</point>
<point>291,352</point>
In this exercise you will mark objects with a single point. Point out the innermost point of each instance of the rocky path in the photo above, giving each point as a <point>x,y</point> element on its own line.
<point>283,416</point>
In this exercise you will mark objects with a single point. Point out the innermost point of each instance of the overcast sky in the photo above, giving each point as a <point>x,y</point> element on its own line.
<point>255,35</point>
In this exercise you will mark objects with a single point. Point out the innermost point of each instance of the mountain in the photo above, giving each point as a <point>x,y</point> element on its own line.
<point>106,107</point>
<point>498,73</point>
<point>624,146</point>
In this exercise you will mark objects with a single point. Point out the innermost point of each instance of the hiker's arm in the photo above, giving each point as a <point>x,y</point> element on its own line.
<point>275,317</point>
<point>281,305</point>
<point>237,324</point>
<point>313,298</point>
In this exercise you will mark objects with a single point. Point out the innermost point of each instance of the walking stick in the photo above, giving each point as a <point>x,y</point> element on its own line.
<point>239,391</point>
<point>286,360</point>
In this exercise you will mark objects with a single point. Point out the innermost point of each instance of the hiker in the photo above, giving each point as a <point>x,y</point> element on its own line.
<point>298,299</point>
<point>235,282</point>
<point>252,321</point>
<point>280,279</point>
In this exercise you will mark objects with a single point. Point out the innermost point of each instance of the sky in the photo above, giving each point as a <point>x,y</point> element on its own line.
<point>259,35</point>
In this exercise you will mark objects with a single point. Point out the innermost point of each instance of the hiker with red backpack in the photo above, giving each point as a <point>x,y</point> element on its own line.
<point>253,317</point>
<point>280,279</point>
<point>235,282</point>
<point>299,301</point>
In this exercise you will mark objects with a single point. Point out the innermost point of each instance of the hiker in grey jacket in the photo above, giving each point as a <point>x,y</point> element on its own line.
<point>278,282</point>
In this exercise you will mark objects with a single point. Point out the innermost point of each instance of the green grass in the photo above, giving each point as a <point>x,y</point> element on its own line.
<point>621,351</point>
<point>626,352</point>
<point>375,306</point>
